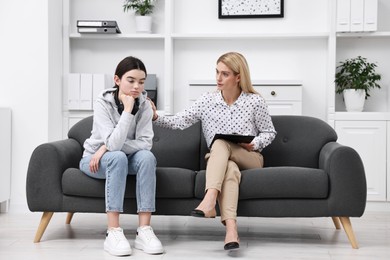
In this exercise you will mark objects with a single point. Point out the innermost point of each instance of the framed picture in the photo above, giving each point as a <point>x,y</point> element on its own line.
<point>250,9</point>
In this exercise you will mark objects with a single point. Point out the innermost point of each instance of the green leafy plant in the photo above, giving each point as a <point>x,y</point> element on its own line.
<point>356,73</point>
<point>141,7</point>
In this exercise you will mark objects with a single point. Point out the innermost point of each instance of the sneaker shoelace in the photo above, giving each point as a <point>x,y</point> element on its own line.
<point>117,233</point>
<point>148,233</point>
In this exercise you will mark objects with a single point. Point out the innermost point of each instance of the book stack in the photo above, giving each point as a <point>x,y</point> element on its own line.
<point>97,26</point>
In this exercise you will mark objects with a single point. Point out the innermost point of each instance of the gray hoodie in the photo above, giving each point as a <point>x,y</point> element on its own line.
<point>128,133</point>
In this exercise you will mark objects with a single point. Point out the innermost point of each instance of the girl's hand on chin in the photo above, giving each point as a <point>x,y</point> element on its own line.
<point>128,102</point>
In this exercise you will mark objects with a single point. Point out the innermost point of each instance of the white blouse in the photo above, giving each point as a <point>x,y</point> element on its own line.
<point>248,115</point>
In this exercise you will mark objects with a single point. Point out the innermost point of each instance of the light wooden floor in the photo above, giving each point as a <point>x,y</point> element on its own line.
<point>194,238</point>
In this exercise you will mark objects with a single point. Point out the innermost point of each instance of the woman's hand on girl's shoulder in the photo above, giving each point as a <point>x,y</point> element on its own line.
<point>153,108</point>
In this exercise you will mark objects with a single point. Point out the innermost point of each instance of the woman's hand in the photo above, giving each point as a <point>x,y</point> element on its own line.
<point>249,146</point>
<point>128,102</point>
<point>154,109</point>
<point>94,162</point>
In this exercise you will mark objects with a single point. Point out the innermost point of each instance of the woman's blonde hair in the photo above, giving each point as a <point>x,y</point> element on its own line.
<point>237,63</point>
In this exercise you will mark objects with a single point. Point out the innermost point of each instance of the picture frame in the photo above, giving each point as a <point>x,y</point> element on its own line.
<point>228,9</point>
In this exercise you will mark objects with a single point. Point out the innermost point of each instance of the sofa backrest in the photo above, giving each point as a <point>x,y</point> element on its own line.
<point>172,148</point>
<point>81,130</point>
<point>298,142</point>
<point>180,148</point>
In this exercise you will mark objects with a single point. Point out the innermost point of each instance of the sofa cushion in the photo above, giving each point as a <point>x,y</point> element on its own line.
<point>171,183</point>
<point>175,183</point>
<point>277,182</point>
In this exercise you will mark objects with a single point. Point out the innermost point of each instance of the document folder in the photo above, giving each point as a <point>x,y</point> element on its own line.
<point>98,30</point>
<point>96,23</point>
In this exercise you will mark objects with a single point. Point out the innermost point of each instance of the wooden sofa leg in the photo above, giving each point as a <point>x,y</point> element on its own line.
<point>349,231</point>
<point>45,219</point>
<point>69,217</point>
<point>336,222</point>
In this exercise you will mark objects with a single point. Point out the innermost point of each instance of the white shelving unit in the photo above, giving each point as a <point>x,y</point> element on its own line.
<point>368,131</point>
<point>174,36</point>
<point>188,38</point>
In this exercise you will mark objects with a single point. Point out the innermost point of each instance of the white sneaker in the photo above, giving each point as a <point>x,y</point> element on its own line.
<point>116,242</point>
<point>147,241</point>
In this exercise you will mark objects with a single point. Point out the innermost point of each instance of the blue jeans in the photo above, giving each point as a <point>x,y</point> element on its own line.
<point>114,168</point>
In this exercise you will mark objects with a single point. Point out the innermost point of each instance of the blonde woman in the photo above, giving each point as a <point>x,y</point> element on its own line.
<point>234,108</point>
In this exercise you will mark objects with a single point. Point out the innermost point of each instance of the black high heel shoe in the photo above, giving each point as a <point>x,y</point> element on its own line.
<point>201,214</point>
<point>231,246</point>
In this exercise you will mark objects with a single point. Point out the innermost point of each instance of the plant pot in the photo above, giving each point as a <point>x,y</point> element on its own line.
<point>354,99</point>
<point>143,24</point>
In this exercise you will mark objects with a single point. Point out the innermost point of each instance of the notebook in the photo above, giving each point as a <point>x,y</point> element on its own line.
<point>234,138</point>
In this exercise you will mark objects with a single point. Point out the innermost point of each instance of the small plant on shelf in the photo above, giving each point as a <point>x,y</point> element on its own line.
<point>141,7</point>
<point>356,73</point>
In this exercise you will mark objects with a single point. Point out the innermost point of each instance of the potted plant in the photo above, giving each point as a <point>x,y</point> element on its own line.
<point>354,79</point>
<point>142,10</point>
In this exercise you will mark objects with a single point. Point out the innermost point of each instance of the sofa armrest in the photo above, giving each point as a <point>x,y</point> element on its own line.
<point>47,164</point>
<point>347,180</point>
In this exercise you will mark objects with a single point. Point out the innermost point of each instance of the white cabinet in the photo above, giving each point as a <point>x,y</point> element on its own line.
<point>282,97</point>
<point>5,158</point>
<point>368,138</point>
<point>388,160</point>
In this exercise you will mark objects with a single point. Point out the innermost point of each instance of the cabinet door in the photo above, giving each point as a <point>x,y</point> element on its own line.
<point>285,100</point>
<point>368,138</point>
<point>284,107</point>
<point>388,160</point>
<point>5,157</point>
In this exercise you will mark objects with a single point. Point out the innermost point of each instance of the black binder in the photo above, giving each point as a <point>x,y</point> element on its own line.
<point>97,26</point>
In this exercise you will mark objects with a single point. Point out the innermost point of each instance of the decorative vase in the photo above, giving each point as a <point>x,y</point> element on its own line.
<point>143,24</point>
<point>354,99</point>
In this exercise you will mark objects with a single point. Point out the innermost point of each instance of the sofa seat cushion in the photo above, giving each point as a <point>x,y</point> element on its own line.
<point>276,183</point>
<point>171,183</point>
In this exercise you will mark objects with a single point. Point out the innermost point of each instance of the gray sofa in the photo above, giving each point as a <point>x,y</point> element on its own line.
<point>306,174</point>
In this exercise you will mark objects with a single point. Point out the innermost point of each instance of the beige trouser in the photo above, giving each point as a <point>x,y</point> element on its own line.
<point>225,161</point>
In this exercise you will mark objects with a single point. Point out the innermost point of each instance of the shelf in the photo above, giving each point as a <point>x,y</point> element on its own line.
<point>222,36</point>
<point>362,116</point>
<point>254,82</point>
<point>207,36</point>
<point>363,34</point>
<point>115,36</point>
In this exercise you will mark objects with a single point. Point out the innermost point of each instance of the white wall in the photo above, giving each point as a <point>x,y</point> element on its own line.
<point>24,83</point>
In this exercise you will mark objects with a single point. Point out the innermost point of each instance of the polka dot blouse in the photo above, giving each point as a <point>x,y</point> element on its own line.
<point>248,115</point>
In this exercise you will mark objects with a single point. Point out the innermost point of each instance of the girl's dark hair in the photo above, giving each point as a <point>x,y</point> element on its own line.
<point>129,63</point>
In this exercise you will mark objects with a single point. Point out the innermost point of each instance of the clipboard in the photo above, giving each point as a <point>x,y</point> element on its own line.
<point>234,138</point>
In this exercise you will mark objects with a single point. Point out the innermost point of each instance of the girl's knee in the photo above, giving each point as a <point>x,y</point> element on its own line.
<point>118,158</point>
<point>146,156</point>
